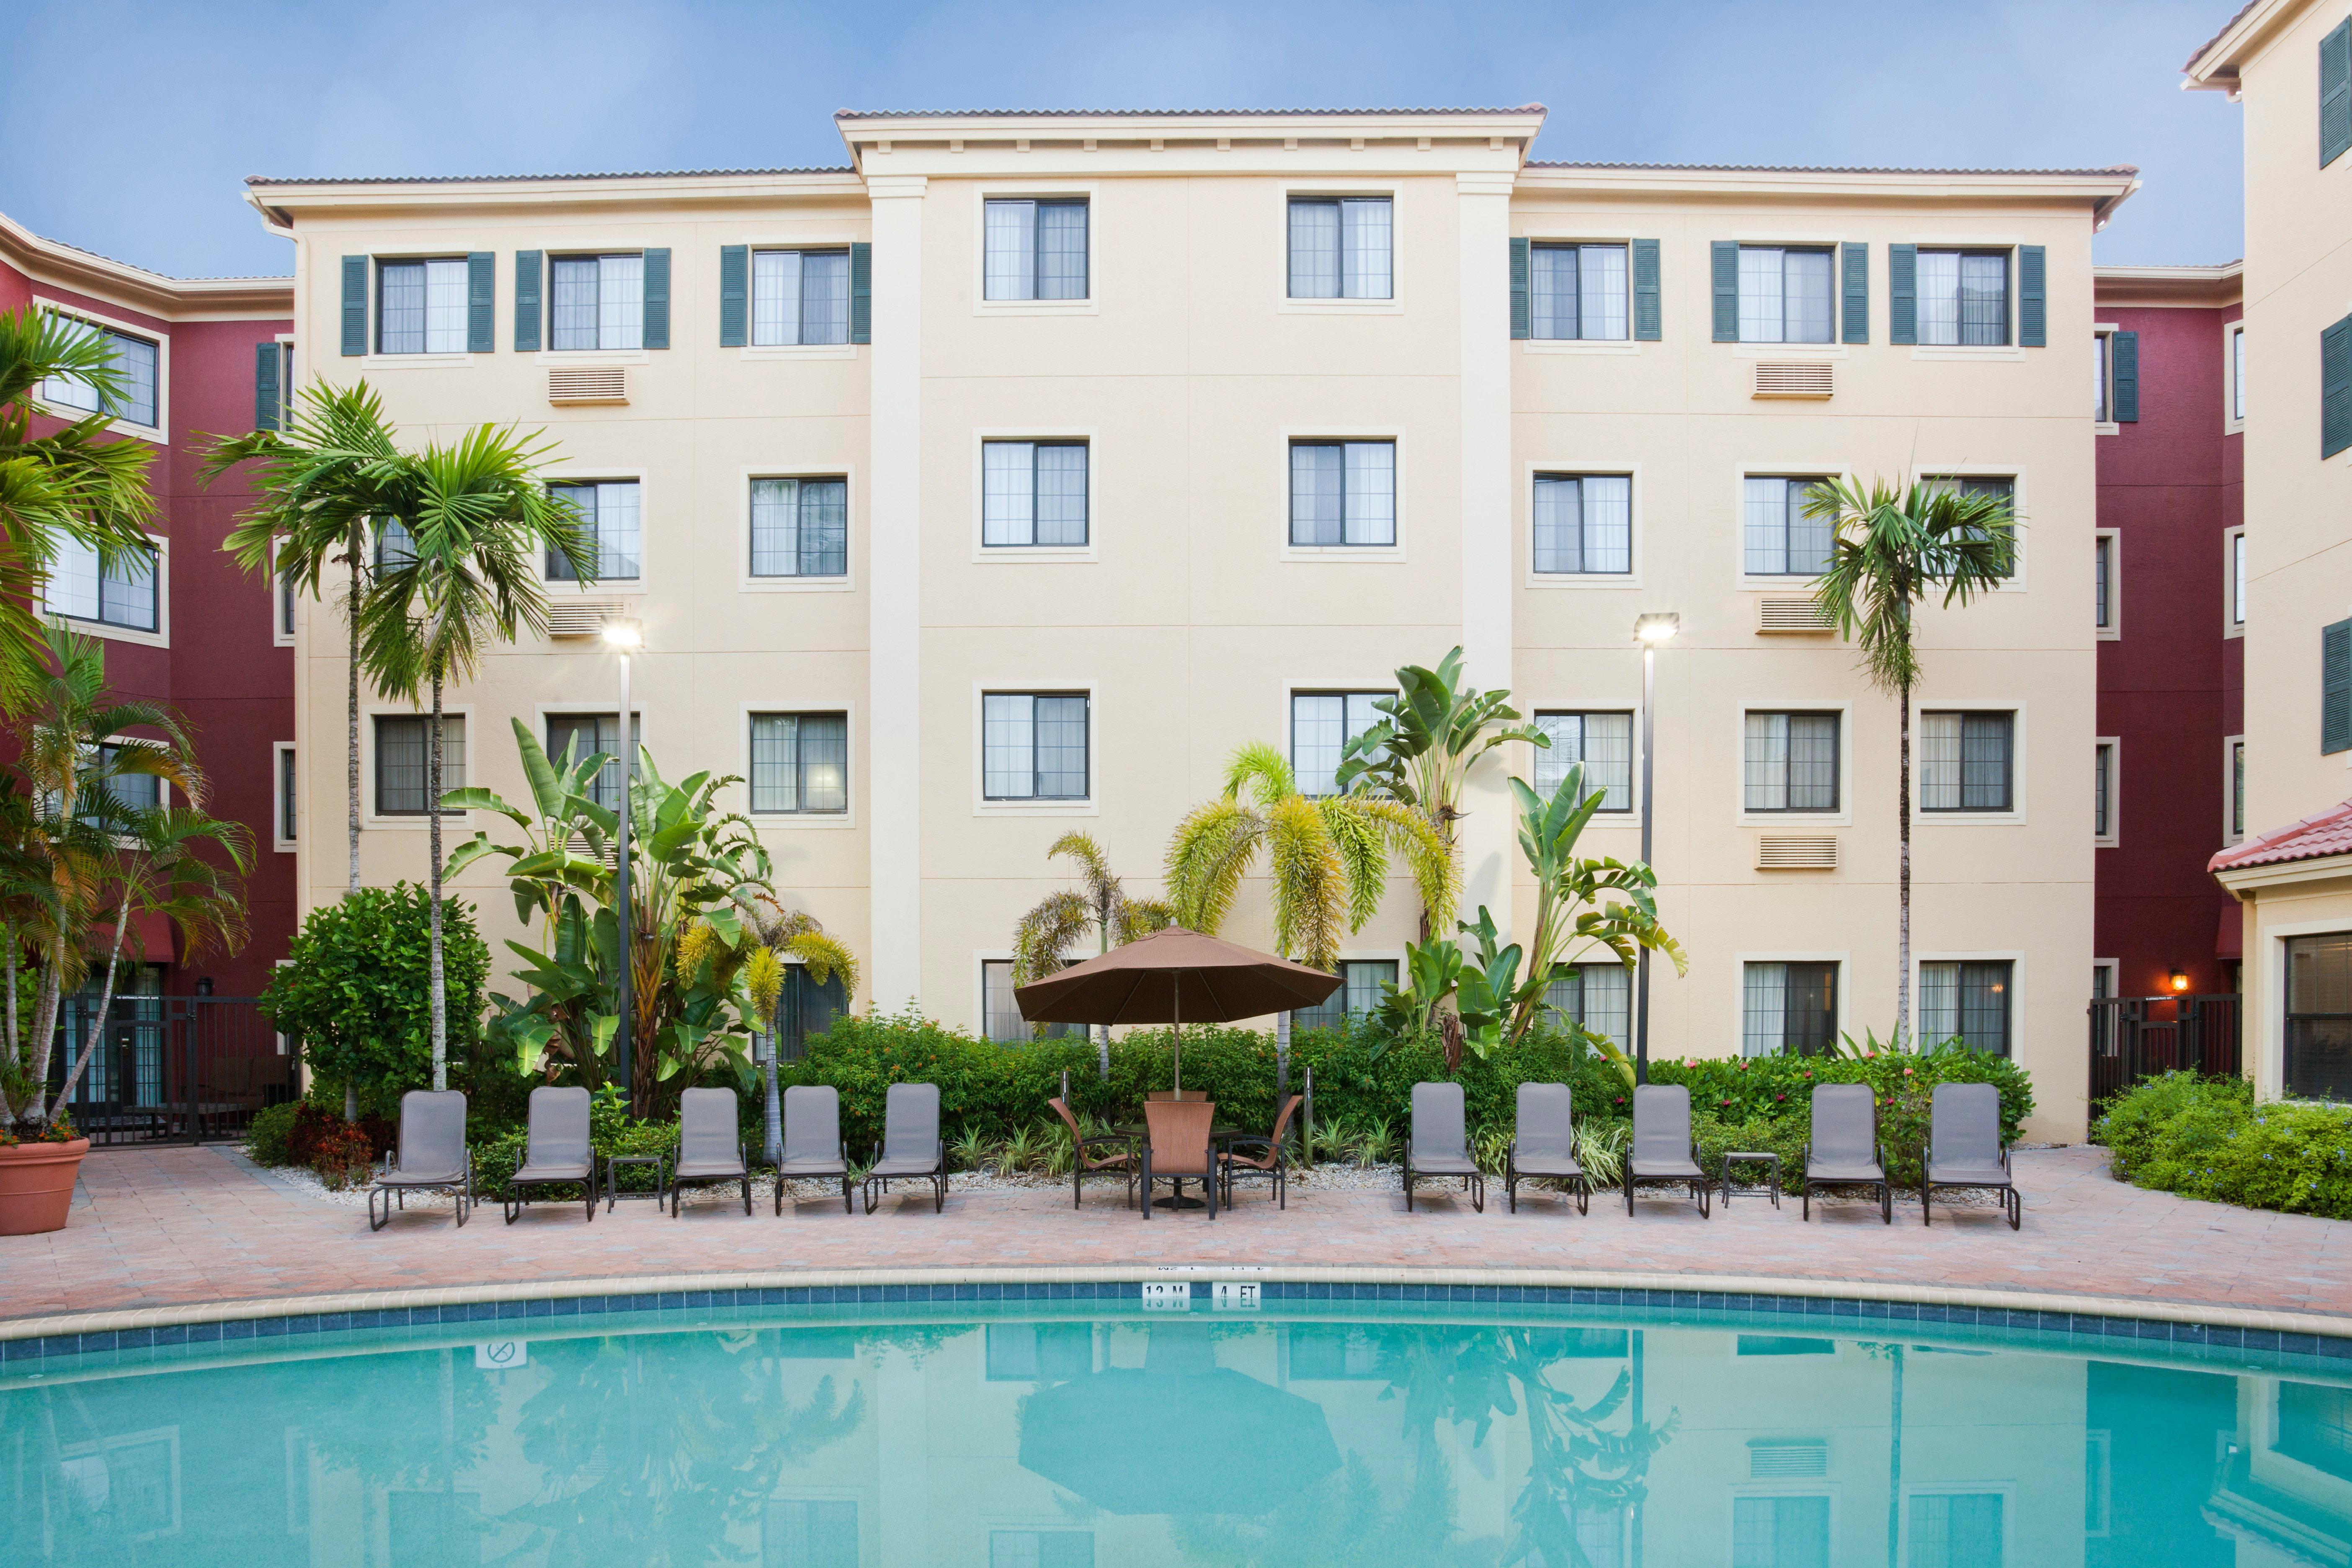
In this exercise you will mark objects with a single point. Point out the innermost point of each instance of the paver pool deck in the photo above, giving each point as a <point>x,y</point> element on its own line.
<point>165,1227</point>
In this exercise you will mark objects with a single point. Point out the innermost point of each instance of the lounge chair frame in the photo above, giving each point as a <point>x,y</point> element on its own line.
<point>516,1194</point>
<point>679,1181</point>
<point>1271,1161</point>
<point>1123,1161</point>
<point>1878,1148</point>
<point>397,1188</point>
<point>804,1166</point>
<point>1695,1179</point>
<point>2012,1202</point>
<point>878,1179</point>
<point>1580,1185</point>
<point>1446,1110</point>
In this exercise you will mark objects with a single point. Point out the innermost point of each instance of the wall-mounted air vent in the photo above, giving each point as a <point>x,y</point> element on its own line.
<point>580,384</point>
<point>1785,616</point>
<point>580,617</point>
<point>1778,379</point>
<point>1787,852</point>
<point>1786,1458</point>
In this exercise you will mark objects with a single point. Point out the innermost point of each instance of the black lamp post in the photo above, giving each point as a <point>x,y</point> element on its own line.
<point>1649,630</point>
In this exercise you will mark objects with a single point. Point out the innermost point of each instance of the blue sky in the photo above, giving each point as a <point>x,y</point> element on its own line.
<point>128,127</point>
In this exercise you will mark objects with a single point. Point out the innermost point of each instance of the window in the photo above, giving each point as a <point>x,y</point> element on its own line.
<point>394,549</point>
<point>2237,787</point>
<point>2103,581</point>
<point>2238,578</point>
<point>131,791</point>
<point>1032,493</point>
<point>1342,492</point>
<point>583,735</point>
<point>1780,1533</point>
<point>608,515</point>
<point>1966,761</point>
<point>1584,522</point>
<point>2103,791</point>
<point>805,1010</point>
<point>134,363</point>
<point>1603,743</point>
<point>288,792</point>
<point>1780,540</point>
<point>800,763</point>
<point>795,1533</point>
<point>1959,1529</point>
<point>1001,1018</point>
<point>1597,995</point>
<point>799,296</point>
<point>1788,1009</point>
<point>420,307</point>
<point>2315,1426</point>
<point>2002,490</point>
<point>1340,248</point>
<point>1041,1548</point>
<point>1963,297</point>
<point>120,594</point>
<point>2103,402</point>
<point>1360,993</point>
<point>1321,725</point>
<point>2319,1016</point>
<point>598,302</point>
<point>1791,761</point>
<point>1784,295</point>
<point>1968,1001</point>
<point>1035,250</point>
<point>285,606</point>
<point>402,742</point>
<point>1577,291</point>
<point>1033,745</point>
<point>1039,1353</point>
<point>2237,373</point>
<point>800,527</point>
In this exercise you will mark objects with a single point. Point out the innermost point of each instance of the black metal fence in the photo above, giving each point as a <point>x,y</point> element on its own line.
<point>2135,1038</point>
<point>172,1069</point>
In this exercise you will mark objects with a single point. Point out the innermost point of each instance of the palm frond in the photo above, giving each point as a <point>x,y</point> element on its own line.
<point>1310,883</point>
<point>1207,857</point>
<point>1408,833</point>
<point>1059,923</point>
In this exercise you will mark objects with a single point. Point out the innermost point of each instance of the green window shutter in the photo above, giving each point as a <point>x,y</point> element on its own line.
<point>2032,297</point>
<point>266,392</point>
<point>1902,293</point>
<point>734,296</point>
<point>656,334</point>
<point>528,264</point>
<point>1649,316</point>
<point>1854,267</point>
<point>1727,291</point>
<point>2123,368</point>
<point>2336,388</point>
<point>2336,688</point>
<point>355,282</point>
<point>861,293</point>
<point>2336,93</point>
<point>481,299</point>
<point>1519,327</point>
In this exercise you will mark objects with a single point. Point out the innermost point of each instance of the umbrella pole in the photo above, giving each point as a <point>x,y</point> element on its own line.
<point>1176,1011</point>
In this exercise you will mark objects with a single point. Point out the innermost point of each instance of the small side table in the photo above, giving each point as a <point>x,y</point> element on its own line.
<point>660,1163</point>
<point>1740,1157</point>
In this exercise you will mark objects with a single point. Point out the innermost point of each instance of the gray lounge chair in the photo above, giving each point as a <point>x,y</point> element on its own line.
<point>1439,1144</point>
<point>556,1152</point>
<point>1664,1154</point>
<point>910,1148</point>
<point>1965,1147</point>
<point>432,1157</point>
<point>1843,1150</point>
<point>813,1142</point>
<point>710,1146</point>
<point>1545,1144</point>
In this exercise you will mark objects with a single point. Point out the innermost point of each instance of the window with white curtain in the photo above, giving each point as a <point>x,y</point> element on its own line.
<point>1597,995</point>
<point>1788,1009</point>
<point>136,362</point>
<point>1603,743</point>
<point>1033,745</point>
<point>119,594</point>
<point>1966,761</point>
<point>420,307</point>
<point>1577,291</point>
<point>1032,493</point>
<point>1340,248</point>
<point>1360,993</point>
<point>799,296</point>
<point>1781,1533</point>
<point>1784,295</point>
<point>1343,492</point>
<point>608,514</point>
<point>1035,250</point>
<point>2102,377</point>
<point>800,763</point>
<point>401,744</point>
<point>597,302</point>
<point>800,527</point>
<point>1963,297</point>
<point>1584,523</point>
<point>1321,725</point>
<point>1780,539</point>
<point>1790,762</point>
<point>1968,1000</point>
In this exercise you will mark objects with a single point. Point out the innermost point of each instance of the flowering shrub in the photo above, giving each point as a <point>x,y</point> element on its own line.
<point>59,1129</point>
<point>342,1157</point>
<point>2207,1138</point>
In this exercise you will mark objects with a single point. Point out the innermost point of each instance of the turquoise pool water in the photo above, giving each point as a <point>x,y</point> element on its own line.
<point>1085,1434</point>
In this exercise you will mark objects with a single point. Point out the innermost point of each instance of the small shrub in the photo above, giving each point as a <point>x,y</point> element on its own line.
<point>343,1157</point>
<point>268,1140</point>
<point>2207,1138</point>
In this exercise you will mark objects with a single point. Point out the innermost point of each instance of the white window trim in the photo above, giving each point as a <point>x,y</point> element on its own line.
<point>1044,685</point>
<point>1381,684</point>
<point>2230,626</point>
<point>830,240</point>
<point>2233,422</point>
<point>2021,509</point>
<point>1526,753</point>
<point>1740,962</point>
<point>1792,821</point>
<point>376,360</point>
<point>2229,832</point>
<point>461,359</point>
<point>2114,968</point>
<point>642,583</point>
<point>2271,1069</point>
<point>279,635</point>
<point>573,249</point>
<point>1035,190</point>
<point>2107,426</point>
<point>160,433</point>
<point>278,751</point>
<point>2007,1490</point>
<point>1366,555</point>
<point>161,636</point>
<point>981,957</point>
<point>2013,350</point>
<point>745,582</point>
<point>1628,344</point>
<point>2113,837</point>
<point>1769,468</point>
<point>1395,304</point>
<point>2113,631</point>
<point>790,821</point>
<point>2014,958</point>
<point>1034,554</point>
<point>370,817</point>
<point>1577,467</point>
<point>1836,348</point>
<point>2016,815</point>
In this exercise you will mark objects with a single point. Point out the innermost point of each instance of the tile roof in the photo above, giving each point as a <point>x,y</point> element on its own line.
<point>488,179</point>
<point>1818,169</point>
<point>2190,63</point>
<point>2330,833</point>
<point>1158,113</point>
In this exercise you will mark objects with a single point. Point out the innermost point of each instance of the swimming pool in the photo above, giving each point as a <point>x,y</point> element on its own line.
<point>1210,1428</point>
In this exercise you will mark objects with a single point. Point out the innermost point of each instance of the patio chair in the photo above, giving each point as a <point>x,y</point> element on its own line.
<point>432,1156</point>
<point>1270,1160</point>
<point>1119,1161</point>
<point>1177,1094</point>
<point>556,1151</point>
<point>1843,1150</point>
<point>814,1146</point>
<point>1545,1144</point>
<point>1664,1154</point>
<point>910,1149</point>
<point>1178,1148</point>
<point>710,1146</point>
<point>1965,1147</point>
<point>1439,1144</point>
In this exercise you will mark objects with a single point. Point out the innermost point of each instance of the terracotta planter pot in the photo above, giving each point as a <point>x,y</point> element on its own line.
<point>37,1183</point>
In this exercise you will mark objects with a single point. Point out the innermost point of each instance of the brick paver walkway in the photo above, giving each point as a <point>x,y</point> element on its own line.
<point>174,1225</point>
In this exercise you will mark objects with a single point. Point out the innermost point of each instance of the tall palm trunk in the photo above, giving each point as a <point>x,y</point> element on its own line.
<point>772,1148</point>
<point>105,1001</point>
<point>352,716</point>
<point>1903,895</point>
<point>45,1024</point>
<point>432,833</point>
<point>15,1052</point>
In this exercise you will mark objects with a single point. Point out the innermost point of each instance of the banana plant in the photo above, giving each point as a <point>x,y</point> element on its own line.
<point>1433,729</point>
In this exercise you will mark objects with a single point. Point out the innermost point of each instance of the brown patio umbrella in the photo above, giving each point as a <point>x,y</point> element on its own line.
<point>1169,976</point>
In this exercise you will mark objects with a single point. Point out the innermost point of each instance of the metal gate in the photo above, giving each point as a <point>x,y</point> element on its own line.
<point>2135,1038</point>
<point>173,1069</point>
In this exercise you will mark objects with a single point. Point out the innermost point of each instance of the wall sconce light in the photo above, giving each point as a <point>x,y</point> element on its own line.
<point>2178,980</point>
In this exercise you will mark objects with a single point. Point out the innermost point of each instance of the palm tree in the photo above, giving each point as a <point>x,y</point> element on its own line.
<point>1061,921</point>
<point>1889,550</point>
<point>796,936</point>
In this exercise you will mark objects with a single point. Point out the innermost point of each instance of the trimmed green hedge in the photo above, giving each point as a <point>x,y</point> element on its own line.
<point>2206,1138</point>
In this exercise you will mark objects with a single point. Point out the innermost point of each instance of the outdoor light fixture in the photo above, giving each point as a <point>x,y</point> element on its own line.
<point>1650,629</point>
<point>625,633</point>
<point>2178,980</point>
<point>625,636</point>
<point>1656,628</point>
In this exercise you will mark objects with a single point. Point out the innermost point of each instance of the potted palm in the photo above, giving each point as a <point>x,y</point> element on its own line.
<point>37,1170</point>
